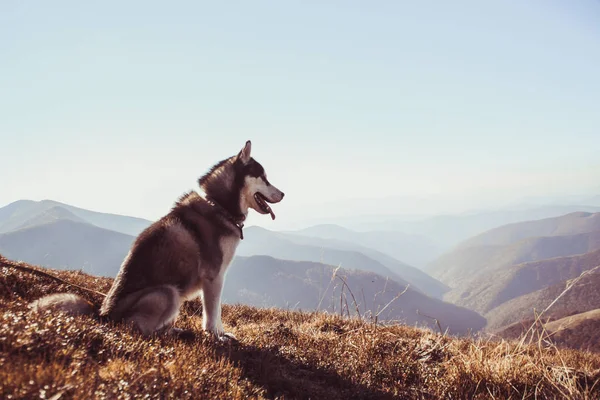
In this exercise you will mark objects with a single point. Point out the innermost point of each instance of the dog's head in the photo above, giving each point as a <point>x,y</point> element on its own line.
<point>256,190</point>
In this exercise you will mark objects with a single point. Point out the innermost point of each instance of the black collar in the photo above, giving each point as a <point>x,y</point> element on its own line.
<point>238,222</point>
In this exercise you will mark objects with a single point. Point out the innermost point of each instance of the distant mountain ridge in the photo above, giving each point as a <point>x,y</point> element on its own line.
<point>268,282</point>
<point>571,234</point>
<point>414,275</point>
<point>68,244</point>
<point>581,297</point>
<point>463,266</point>
<point>260,241</point>
<point>51,214</point>
<point>16,214</point>
<point>447,231</point>
<point>568,224</point>
<point>56,236</point>
<point>506,284</point>
<point>416,250</point>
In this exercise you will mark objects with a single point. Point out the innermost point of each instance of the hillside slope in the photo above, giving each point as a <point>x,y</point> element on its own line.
<point>581,297</point>
<point>577,331</point>
<point>279,354</point>
<point>414,276</point>
<point>569,224</point>
<point>491,290</point>
<point>299,285</point>
<point>415,250</point>
<point>51,214</point>
<point>16,214</point>
<point>450,230</point>
<point>259,241</point>
<point>67,244</point>
<point>464,265</point>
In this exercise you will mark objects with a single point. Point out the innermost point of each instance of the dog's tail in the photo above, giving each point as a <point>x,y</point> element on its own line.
<point>69,303</point>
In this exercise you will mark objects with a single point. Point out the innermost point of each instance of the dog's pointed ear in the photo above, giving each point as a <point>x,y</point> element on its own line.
<point>244,154</point>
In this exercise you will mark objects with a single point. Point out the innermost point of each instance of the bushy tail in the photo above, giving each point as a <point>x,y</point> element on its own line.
<point>65,302</point>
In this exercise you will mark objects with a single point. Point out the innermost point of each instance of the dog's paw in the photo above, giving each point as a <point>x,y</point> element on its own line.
<point>222,336</point>
<point>227,337</point>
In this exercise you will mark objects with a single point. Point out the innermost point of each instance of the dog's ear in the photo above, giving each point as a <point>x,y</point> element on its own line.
<point>244,154</point>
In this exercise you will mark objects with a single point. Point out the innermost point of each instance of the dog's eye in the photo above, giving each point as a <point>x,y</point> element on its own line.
<point>264,178</point>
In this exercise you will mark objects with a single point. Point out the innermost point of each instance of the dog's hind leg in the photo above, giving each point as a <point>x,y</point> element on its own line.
<point>152,310</point>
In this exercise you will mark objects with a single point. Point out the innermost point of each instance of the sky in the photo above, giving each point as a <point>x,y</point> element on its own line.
<point>435,106</point>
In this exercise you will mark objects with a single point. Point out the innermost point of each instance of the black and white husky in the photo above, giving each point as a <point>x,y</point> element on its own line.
<point>184,254</point>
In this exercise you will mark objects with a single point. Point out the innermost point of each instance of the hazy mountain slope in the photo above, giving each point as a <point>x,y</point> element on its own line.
<point>259,241</point>
<point>490,291</point>
<point>462,266</point>
<point>570,224</point>
<point>14,215</point>
<point>265,281</point>
<point>583,296</point>
<point>67,244</point>
<point>573,321</point>
<point>413,275</point>
<point>50,215</point>
<point>579,331</point>
<point>416,250</point>
<point>448,231</point>
<point>18,213</point>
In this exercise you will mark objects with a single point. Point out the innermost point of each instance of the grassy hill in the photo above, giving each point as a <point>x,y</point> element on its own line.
<point>279,354</point>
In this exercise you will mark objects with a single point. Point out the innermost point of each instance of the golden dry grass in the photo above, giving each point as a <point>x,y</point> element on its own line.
<point>280,354</point>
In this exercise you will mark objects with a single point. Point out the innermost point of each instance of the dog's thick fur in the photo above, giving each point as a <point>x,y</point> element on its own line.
<point>184,254</point>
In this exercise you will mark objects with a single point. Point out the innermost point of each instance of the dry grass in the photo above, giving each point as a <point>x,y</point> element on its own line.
<point>280,354</point>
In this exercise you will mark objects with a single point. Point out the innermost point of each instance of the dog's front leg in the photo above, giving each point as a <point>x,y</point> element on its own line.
<point>211,303</point>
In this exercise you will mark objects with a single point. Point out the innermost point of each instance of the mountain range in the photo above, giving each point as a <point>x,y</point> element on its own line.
<point>65,237</point>
<point>510,273</point>
<point>25,212</point>
<point>468,267</point>
<point>447,231</point>
<point>492,281</point>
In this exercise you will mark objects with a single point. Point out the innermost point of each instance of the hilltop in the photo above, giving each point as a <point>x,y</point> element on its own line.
<point>280,354</point>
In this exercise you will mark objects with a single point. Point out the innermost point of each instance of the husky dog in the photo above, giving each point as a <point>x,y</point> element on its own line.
<point>184,254</point>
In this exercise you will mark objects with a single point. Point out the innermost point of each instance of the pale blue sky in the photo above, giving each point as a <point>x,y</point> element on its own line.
<point>119,106</point>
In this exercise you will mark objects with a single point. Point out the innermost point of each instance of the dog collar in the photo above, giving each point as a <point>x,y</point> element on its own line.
<point>238,222</point>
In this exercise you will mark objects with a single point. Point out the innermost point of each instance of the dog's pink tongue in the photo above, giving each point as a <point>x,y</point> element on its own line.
<point>272,213</point>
